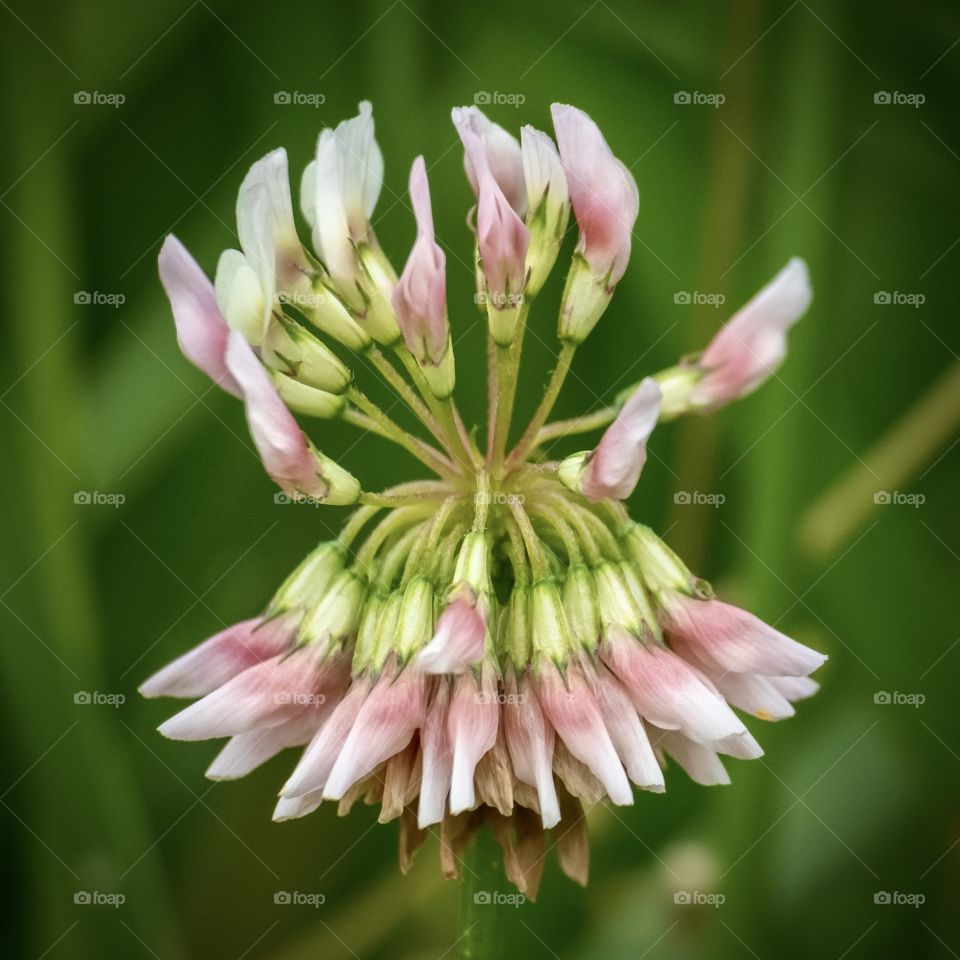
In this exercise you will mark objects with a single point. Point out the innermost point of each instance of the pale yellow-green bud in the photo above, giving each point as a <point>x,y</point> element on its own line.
<point>580,604</point>
<point>307,400</point>
<point>310,581</point>
<point>337,616</point>
<point>585,298</point>
<point>292,350</point>
<point>549,630</point>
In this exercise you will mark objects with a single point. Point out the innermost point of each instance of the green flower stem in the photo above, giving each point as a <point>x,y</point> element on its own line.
<point>479,915</point>
<point>529,438</point>
<point>507,360</point>
<point>406,393</point>
<point>380,423</point>
<point>442,411</point>
<point>584,424</point>
<point>531,541</point>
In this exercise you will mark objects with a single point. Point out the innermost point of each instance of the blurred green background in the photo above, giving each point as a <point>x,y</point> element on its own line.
<point>855,798</point>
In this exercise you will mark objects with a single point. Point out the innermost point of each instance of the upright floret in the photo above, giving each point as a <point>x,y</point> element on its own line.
<point>420,296</point>
<point>499,646</point>
<point>606,203</point>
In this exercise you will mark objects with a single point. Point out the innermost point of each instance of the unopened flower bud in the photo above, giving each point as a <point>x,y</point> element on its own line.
<point>337,616</point>
<point>290,459</point>
<point>580,605</point>
<point>515,624</point>
<point>605,202</point>
<point>415,618</point>
<point>548,205</point>
<point>296,352</point>
<point>549,630</point>
<point>310,581</point>
<point>661,568</point>
<point>239,295</point>
<point>309,401</point>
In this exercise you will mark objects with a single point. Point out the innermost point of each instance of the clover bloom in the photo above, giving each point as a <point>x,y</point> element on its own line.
<point>499,645</point>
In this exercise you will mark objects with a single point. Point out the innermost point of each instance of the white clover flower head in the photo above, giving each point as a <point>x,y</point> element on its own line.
<point>498,643</point>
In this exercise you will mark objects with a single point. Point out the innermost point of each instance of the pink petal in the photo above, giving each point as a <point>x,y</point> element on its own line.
<point>420,296</point>
<point>602,191</point>
<point>794,688</point>
<point>282,446</point>
<point>501,235</point>
<point>384,725</point>
<point>201,330</point>
<point>247,751</point>
<point>754,694</point>
<point>311,773</point>
<point>666,691</point>
<point>437,759</point>
<point>268,233</point>
<point>501,152</point>
<point>729,638</point>
<point>753,343</point>
<point>472,729</point>
<point>614,468</point>
<point>530,740</point>
<point>289,808</point>
<point>264,695</point>
<point>569,704</point>
<point>627,733</point>
<point>700,762</point>
<point>221,657</point>
<point>458,640</point>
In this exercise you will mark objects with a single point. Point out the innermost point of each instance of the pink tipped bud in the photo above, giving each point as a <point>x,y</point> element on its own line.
<point>219,659</point>
<point>613,468</point>
<point>458,639</point>
<point>264,695</point>
<point>202,331</point>
<point>753,343</point>
<point>311,773</point>
<point>472,728</point>
<point>384,725</point>
<point>731,639</point>
<point>569,704</point>
<point>437,759</point>
<point>502,237</point>
<point>285,451</point>
<point>530,740</point>
<point>602,191</point>
<point>668,692</point>
<point>420,296</point>
<point>627,733</point>
<point>502,155</point>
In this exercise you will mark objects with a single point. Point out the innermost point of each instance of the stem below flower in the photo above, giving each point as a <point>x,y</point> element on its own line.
<point>528,440</point>
<point>478,909</point>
